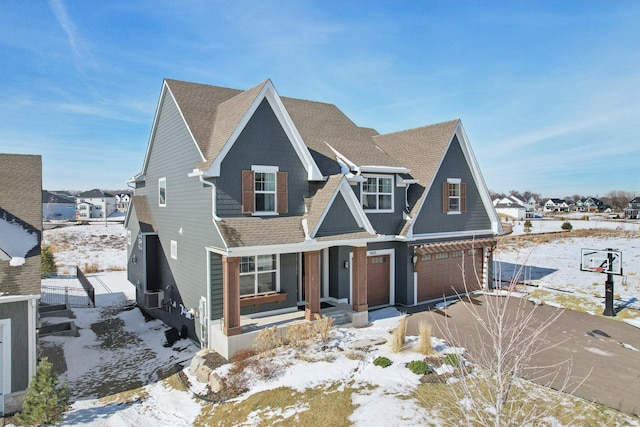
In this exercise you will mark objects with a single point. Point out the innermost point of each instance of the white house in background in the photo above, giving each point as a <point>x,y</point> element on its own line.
<point>58,206</point>
<point>556,205</point>
<point>95,204</point>
<point>515,207</point>
<point>122,202</point>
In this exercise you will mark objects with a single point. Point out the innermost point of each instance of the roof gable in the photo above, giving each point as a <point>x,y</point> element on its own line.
<point>335,190</point>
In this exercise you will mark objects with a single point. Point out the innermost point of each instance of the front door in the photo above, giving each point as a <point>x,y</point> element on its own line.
<point>378,280</point>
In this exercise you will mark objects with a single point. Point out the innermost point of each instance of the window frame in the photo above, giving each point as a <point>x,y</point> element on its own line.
<point>454,196</point>
<point>377,193</point>
<point>256,272</point>
<point>271,170</point>
<point>162,195</point>
<point>174,249</point>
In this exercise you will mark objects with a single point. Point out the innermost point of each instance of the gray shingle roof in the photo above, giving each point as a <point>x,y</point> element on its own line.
<point>143,213</point>
<point>212,113</point>
<point>261,231</point>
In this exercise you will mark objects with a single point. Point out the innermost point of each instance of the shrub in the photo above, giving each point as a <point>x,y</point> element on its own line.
<point>425,331</point>
<point>451,360</point>
<point>399,335</point>
<point>382,361</point>
<point>527,226</point>
<point>322,326</point>
<point>44,402</point>
<point>566,226</point>
<point>419,367</point>
<point>47,261</point>
<point>91,268</point>
<point>299,334</point>
<point>267,340</point>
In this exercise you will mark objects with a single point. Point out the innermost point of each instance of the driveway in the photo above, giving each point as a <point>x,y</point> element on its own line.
<point>602,353</point>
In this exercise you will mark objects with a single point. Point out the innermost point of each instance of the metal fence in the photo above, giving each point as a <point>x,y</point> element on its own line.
<point>71,296</point>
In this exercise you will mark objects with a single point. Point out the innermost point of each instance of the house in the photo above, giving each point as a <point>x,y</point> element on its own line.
<point>556,205</point>
<point>632,211</point>
<point>20,236</point>
<point>122,202</point>
<point>515,207</point>
<point>95,204</point>
<point>591,204</point>
<point>250,204</point>
<point>58,206</point>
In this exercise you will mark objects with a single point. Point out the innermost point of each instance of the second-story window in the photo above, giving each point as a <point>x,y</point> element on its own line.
<point>377,194</point>
<point>264,191</point>
<point>454,196</point>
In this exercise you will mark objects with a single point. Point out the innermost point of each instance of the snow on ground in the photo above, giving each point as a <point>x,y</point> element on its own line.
<point>118,349</point>
<point>554,267</point>
<point>596,222</point>
<point>103,245</point>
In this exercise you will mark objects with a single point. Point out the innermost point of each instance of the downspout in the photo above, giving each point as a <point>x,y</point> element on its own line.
<point>213,197</point>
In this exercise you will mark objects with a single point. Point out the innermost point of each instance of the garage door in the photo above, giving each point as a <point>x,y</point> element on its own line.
<point>441,274</point>
<point>378,269</point>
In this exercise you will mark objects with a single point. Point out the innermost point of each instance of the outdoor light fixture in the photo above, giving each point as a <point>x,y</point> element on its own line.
<point>346,264</point>
<point>414,260</point>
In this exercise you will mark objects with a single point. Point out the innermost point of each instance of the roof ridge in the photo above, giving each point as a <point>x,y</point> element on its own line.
<point>418,128</point>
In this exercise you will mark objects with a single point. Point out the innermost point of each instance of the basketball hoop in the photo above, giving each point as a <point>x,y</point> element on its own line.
<point>597,269</point>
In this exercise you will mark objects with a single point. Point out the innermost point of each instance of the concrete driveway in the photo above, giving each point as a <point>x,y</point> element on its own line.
<point>602,353</point>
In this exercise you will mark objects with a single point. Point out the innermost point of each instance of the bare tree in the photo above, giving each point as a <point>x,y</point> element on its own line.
<point>510,330</point>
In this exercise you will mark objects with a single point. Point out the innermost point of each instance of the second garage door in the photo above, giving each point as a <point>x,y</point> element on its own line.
<point>441,274</point>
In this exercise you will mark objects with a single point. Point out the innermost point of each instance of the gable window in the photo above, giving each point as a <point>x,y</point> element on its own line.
<point>264,191</point>
<point>454,196</point>
<point>162,192</point>
<point>258,274</point>
<point>377,194</point>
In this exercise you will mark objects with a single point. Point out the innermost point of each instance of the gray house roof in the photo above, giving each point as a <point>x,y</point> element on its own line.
<point>49,197</point>
<point>143,213</point>
<point>213,113</point>
<point>95,193</point>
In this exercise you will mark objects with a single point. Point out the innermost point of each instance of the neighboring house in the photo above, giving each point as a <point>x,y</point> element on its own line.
<point>122,202</point>
<point>20,236</point>
<point>514,207</point>
<point>250,204</point>
<point>58,206</point>
<point>556,205</point>
<point>633,210</point>
<point>591,204</point>
<point>95,204</point>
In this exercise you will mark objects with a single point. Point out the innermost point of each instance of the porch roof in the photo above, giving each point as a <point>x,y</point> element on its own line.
<point>461,245</point>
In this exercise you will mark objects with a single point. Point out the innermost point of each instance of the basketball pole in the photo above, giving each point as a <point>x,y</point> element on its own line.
<point>608,288</point>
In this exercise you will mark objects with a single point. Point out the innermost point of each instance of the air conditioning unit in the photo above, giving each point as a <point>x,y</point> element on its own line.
<point>153,299</point>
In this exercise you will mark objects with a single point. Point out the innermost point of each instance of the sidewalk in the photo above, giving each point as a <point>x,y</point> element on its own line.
<point>604,353</point>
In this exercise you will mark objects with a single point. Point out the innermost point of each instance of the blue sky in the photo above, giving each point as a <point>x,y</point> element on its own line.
<point>548,91</point>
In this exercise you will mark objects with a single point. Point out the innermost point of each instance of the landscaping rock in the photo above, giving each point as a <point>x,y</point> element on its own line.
<point>196,362</point>
<point>202,374</point>
<point>215,382</point>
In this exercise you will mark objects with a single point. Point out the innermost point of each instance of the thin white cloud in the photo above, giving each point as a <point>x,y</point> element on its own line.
<point>80,50</point>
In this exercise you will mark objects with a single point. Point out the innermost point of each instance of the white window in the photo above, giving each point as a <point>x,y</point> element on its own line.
<point>258,274</point>
<point>377,194</point>
<point>454,195</point>
<point>265,185</point>
<point>162,192</point>
<point>174,249</point>
<point>442,255</point>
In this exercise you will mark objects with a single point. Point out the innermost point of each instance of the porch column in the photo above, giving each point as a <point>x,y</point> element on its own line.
<point>231,295</point>
<point>359,282</point>
<point>311,284</point>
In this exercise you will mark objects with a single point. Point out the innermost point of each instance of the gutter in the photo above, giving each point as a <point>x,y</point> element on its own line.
<point>200,174</point>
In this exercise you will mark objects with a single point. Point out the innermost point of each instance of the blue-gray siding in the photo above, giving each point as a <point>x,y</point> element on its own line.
<point>187,216</point>
<point>261,142</point>
<point>338,219</point>
<point>432,219</point>
<point>18,313</point>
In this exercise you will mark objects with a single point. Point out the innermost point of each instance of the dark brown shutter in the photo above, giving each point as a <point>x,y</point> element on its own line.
<point>282,192</point>
<point>248,198</point>
<point>463,197</point>
<point>445,197</point>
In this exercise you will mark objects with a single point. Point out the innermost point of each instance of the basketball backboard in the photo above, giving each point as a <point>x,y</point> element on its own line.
<point>601,261</point>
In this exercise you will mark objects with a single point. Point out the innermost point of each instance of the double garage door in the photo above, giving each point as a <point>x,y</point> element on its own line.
<point>442,274</point>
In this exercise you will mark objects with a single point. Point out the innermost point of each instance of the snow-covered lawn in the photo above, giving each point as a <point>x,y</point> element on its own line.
<point>117,347</point>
